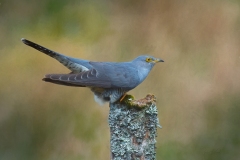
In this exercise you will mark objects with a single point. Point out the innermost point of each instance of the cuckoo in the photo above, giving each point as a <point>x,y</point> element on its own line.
<point>109,81</point>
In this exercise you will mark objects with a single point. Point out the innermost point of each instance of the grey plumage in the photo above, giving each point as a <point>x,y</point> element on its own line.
<point>109,81</point>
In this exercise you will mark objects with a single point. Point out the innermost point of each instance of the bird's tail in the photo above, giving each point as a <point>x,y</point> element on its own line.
<point>70,63</point>
<point>42,49</point>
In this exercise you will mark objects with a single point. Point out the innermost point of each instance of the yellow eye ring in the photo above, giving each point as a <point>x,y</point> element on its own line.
<point>148,59</point>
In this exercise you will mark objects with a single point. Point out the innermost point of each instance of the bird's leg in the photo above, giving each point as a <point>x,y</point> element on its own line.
<point>123,96</point>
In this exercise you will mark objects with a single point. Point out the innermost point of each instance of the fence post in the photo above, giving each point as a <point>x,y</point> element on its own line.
<point>133,126</point>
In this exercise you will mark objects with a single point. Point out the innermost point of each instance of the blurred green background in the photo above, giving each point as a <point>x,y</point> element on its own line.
<point>198,85</point>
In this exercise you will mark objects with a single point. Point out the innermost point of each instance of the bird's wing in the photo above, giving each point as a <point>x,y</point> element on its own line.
<point>104,75</point>
<point>75,65</point>
<point>90,78</point>
<point>121,75</point>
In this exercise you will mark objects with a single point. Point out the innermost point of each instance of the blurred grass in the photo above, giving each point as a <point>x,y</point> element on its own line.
<point>197,86</point>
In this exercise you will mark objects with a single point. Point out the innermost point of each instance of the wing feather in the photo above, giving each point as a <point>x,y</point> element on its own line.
<point>87,78</point>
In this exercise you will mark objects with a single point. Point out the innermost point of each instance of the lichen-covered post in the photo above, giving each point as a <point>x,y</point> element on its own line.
<point>133,126</point>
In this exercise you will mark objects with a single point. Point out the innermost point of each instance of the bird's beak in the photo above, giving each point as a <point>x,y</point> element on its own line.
<point>158,60</point>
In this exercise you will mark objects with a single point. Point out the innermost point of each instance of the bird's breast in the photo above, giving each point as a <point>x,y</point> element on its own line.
<point>143,73</point>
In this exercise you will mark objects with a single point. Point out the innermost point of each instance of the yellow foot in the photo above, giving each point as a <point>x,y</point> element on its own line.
<point>126,98</point>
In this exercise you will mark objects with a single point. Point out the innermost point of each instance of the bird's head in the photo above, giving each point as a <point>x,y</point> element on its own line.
<point>147,60</point>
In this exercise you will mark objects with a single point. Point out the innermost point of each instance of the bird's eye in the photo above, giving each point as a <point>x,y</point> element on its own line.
<point>148,59</point>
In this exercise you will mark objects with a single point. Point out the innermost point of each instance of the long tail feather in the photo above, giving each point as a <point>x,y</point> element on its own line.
<point>41,48</point>
<point>66,61</point>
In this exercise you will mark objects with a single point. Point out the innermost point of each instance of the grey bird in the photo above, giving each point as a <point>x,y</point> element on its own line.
<point>109,81</point>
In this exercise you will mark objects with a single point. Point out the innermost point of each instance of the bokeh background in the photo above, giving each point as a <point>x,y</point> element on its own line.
<point>197,87</point>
